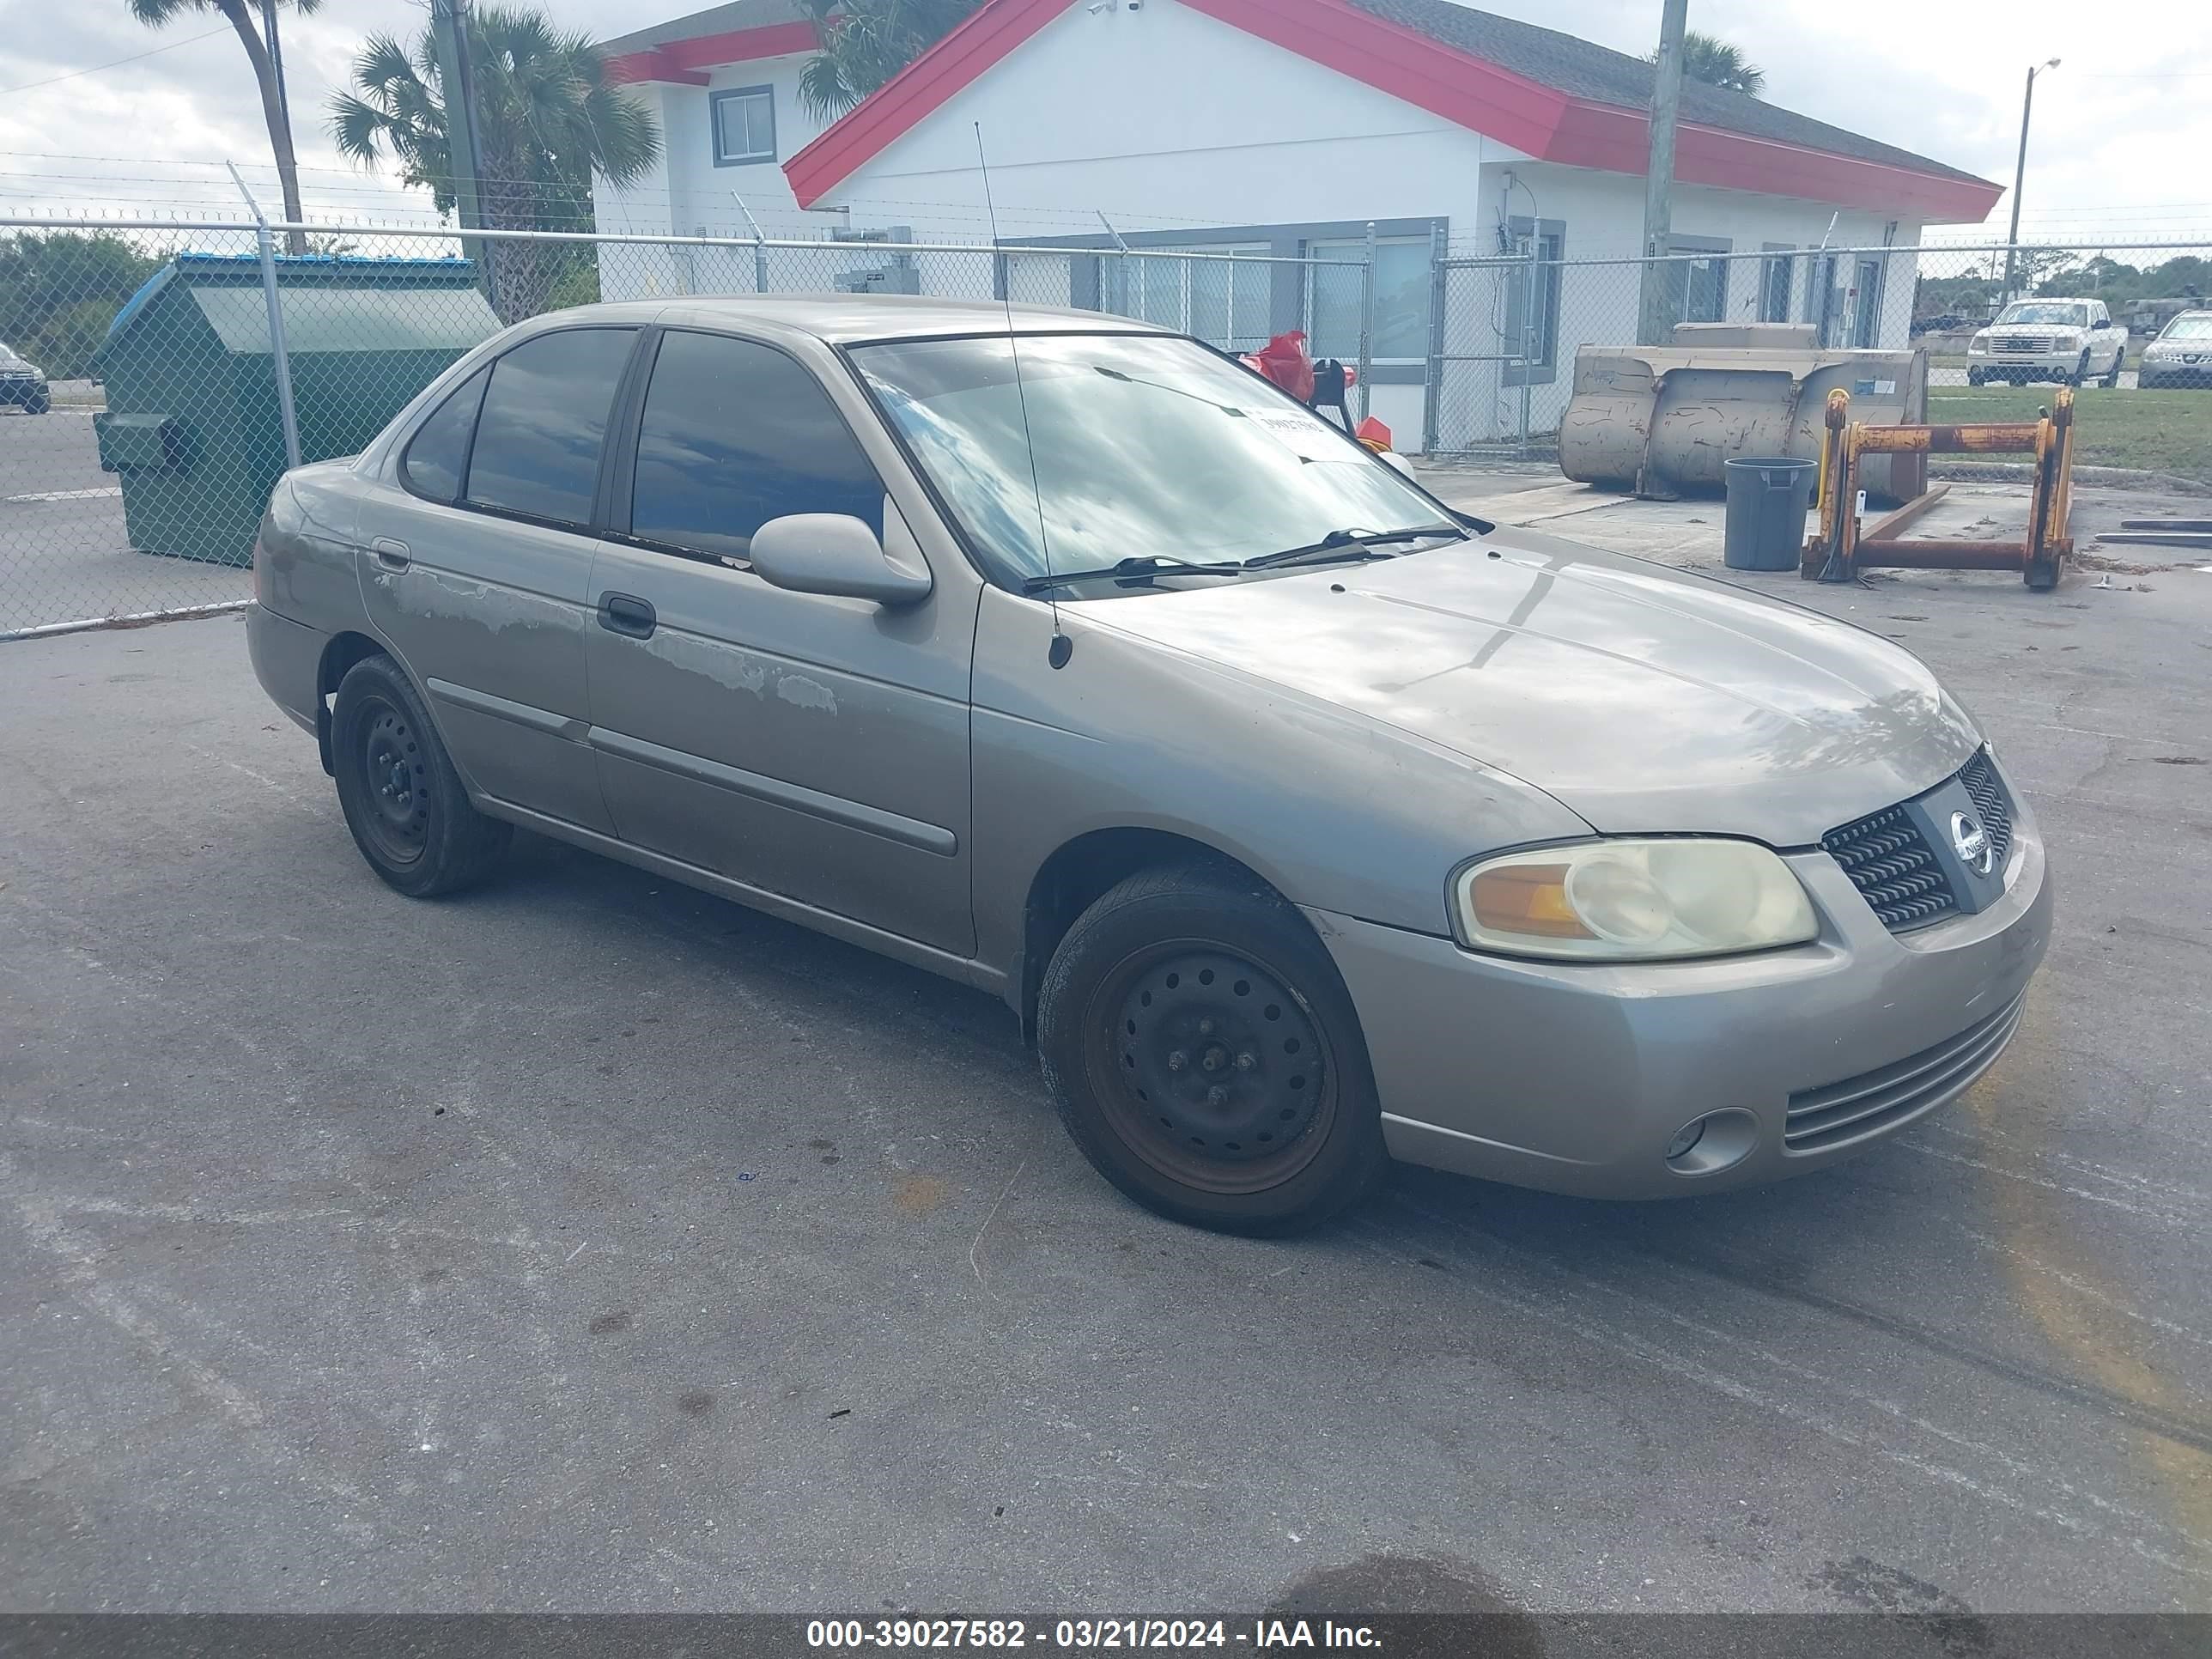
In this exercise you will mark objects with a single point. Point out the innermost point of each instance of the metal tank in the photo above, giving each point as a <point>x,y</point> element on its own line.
<point>1663,420</point>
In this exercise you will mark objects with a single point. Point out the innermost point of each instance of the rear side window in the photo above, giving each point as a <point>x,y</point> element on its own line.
<point>438,453</point>
<point>733,434</point>
<point>544,424</point>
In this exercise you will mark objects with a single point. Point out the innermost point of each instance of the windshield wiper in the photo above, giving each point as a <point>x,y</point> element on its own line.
<point>1138,569</point>
<point>1351,545</point>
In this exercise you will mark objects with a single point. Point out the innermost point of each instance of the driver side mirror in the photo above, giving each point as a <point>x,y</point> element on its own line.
<point>833,553</point>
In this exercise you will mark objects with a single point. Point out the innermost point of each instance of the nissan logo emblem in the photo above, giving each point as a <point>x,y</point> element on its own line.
<point>1971,842</point>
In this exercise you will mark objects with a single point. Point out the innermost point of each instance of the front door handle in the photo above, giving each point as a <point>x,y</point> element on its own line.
<point>625,613</point>
<point>391,554</point>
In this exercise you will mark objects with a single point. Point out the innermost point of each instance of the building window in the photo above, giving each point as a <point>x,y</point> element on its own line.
<point>743,120</point>
<point>1697,289</point>
<point>1778,281</point>
<point>1530,341</point>
<point>1401,301</point>
<point>1222,301</point>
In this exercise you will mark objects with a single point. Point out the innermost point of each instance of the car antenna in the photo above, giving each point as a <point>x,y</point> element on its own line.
<point>1061,647</point>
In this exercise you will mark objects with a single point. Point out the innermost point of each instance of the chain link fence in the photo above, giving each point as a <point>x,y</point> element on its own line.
<point>1507,316</point>
<point>159,378</point>
<point>146,409</point>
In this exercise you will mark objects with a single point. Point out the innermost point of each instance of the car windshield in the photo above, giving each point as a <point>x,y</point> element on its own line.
<point>1144,445</point>
<point>2192,326</point>
<point>2050,315</point>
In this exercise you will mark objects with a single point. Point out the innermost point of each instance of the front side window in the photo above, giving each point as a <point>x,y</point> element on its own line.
<point>438,453</point>
<point>735,433</point>
<point>544,422</point>
<point>744,125</point>
<point>1401,301</point>
<point>1140,445</point>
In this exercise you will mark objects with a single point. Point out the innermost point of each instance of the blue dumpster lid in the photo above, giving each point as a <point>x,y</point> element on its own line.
<point>228,267</point>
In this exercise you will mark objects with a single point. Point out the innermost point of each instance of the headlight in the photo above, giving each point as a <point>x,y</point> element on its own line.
<point>1620,900</point>
<point>1980,340</point>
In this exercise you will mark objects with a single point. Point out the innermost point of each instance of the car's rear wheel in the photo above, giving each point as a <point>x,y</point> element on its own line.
<point>1204,1054</point>
<point>405,803</point>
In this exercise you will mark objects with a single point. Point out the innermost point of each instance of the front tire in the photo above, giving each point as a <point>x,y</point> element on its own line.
<point>2080,375</point>
<point>1975,377</point>
<point>403,801</point>
<point>2112,375</point>
<point>1205,1054</point>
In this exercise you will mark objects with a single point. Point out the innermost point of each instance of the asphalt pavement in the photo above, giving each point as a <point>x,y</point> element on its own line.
<point>66,551</point>
<point>588,1243</point>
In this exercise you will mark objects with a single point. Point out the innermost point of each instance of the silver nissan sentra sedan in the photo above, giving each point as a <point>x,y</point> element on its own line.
<point>1303,822</point>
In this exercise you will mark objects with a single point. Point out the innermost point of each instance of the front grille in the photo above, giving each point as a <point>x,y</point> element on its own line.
<point>1890,862</point>
<point>2023,343</point>
<point>1857,1107</point>
<point>1990,804</point>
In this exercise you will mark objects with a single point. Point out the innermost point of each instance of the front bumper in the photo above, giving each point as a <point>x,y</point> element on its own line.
<point>2165,374</point>
<point>2024,365</point>
<point>1574,1078</point>
<point>22,393</point>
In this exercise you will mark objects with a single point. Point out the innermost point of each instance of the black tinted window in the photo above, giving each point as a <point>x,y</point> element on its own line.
<point>545,419</point>
<point>439,450</point>
<point>735,435</point>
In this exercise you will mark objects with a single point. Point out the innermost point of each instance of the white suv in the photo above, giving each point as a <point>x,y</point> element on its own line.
<point>2073,341</point>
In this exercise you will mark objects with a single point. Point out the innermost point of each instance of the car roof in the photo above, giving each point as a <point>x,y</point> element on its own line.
<point>850,318</point>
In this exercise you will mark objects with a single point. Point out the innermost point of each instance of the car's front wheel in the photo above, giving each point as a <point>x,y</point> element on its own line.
<point>2080,375</point>
<point>2112,374</point>
<point>1206,1056</point>
<point>403,799</point>
<point>1975,376</point>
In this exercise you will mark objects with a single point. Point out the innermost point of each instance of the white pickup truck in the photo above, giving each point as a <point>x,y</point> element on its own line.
<point>2071,341</point>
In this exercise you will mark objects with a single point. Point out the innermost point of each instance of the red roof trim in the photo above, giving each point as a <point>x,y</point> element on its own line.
<point>919,90</point>
<point>687,61</point>
<point>1470,92</point>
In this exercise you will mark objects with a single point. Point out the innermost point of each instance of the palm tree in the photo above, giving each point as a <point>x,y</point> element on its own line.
<point>866,42</point>
<point>156,13</point>
<point>547,118</point>
<point>1715,63</point>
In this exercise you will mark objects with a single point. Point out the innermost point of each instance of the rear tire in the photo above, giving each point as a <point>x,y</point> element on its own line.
<point>403,801</point>
<point>1203,1052</point>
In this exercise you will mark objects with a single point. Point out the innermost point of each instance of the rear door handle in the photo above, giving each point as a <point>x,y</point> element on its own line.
<point>391,554</point>
<point>625,613</point>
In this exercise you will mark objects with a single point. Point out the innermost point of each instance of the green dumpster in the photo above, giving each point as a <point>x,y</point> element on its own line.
<point>192,431</point>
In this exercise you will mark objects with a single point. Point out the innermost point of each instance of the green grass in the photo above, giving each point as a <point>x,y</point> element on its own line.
<point>2158,431</point>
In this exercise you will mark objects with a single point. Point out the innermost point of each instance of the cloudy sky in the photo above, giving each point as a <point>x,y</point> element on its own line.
<point>2122,129</point>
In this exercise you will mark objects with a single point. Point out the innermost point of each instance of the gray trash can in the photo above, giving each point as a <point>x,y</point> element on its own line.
<point>1767,499</point>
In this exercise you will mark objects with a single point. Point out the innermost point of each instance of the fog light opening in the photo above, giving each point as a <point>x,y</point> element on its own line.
<point>1708,1145</point>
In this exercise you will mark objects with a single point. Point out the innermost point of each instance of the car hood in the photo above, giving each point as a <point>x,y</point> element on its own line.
<point>1645,700</point>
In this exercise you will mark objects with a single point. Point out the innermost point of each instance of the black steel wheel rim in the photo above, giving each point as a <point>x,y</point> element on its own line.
<point>395,782</point>
<point>1210,1066</point>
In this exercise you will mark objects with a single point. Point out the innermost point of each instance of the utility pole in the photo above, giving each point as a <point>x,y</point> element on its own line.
<point>2019,177</point>
<point>276,60</point>
<point>449,28</point>
<point>1654,310</point>
<point>449,35</point>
